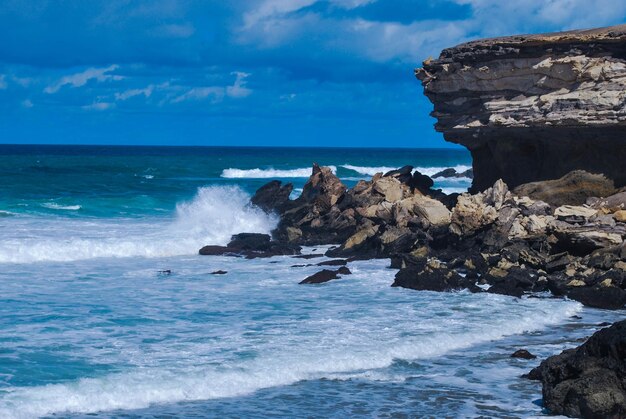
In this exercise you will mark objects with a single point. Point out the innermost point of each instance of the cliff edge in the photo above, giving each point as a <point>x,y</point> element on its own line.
<point>534,107</point>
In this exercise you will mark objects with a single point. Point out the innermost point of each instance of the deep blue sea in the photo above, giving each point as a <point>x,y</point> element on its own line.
<point>90,327</point>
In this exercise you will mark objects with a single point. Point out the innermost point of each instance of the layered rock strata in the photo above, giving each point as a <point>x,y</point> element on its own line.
<point>534,107</point>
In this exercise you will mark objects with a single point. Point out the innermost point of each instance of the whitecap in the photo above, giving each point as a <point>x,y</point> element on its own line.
<point>233,173</point>
<point>55,206</point>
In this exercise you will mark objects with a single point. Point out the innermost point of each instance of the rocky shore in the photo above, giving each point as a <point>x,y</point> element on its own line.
<point>544,117</point>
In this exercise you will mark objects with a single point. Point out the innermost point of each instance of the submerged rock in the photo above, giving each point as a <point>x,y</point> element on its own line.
<point>325,276</point>
<point>523,354</point>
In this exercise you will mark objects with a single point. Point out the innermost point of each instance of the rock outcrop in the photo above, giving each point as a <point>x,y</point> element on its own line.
<point>534,107</point>
<point>588,381</point>
<point>492,241</point>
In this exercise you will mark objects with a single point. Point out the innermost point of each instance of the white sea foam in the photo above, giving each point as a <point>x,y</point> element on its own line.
<point>55,206</point>
<point>345,352</point>
<point>233,173</point>
<point>368,170</point>
<point>212,217</point>
<point>372,170</point>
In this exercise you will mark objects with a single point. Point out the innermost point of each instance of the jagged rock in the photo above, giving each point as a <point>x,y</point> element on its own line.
<point>389,187</point>
<point>403,174</point>
<point>620,216</point>
<point>272,196</point>
<point>422,183</point>
<point>534,107</point>
<point>587,381</point>
<point>566,212</point>
<point>583,240</point>
<point>429,278</point>
<point>323,188</point>
<point>572,189</point>
<point>611,203</point>
<point>473,212</point>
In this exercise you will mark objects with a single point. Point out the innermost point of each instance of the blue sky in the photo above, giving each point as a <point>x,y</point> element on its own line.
<point>253,72</point>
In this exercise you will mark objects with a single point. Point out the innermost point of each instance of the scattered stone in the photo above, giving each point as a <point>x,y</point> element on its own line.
<point>325,276</point>
<point>165,272</point>
<point>220,272</point>
<point>333,262</point>
<point>523,354</point>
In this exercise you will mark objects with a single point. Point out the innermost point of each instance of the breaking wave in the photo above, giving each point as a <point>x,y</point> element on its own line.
<point>211,217</point>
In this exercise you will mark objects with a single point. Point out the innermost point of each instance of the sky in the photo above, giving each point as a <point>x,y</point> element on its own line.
<point>248,72</point>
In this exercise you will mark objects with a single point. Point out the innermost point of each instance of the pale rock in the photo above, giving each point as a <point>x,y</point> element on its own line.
<point>574,211</point>
<point>576,283</point>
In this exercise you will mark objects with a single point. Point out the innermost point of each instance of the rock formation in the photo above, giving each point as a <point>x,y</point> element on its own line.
<point>534,107</point>
<point>588,381</point>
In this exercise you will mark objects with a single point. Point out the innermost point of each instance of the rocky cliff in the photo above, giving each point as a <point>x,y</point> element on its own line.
<point>534,107</point>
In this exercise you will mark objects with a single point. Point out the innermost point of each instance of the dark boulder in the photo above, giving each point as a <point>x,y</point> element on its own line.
<point>588,381</point>
<point>273,196</point>
<point>333,262</point>
<point>421,182</point>
<point>403,174</point>
<point>251,245</point>
<point>432,279</point>
<point>446,173</point>
<point>599,296</point>
<point>325,276</point>
<point>523,354</point>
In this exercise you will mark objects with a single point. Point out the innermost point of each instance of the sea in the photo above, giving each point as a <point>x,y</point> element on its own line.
<point>108,311</point>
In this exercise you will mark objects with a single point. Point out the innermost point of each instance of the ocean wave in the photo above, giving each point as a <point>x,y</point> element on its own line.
<point>211,217</point>
<point>372,170</point>
<point>55,206</point>
<point>233,173</point>
<point>350,355</point>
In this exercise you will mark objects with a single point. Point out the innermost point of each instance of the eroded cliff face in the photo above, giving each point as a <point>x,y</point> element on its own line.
<point>534,107</point>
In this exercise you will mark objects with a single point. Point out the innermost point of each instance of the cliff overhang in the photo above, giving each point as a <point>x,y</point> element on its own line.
<point>534,107</point>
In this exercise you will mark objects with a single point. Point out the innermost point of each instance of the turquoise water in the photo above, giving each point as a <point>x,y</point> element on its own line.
<point>91,327</point>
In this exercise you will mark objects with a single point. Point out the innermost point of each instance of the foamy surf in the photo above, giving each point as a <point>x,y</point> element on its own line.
<point>350,348</point>
<point>233,173</point>
<point>430,171</point>
<point>211,217</point>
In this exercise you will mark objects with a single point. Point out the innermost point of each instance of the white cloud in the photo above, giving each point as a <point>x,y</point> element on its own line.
<point>80,79</point>
<point>199,93</point>
<point>3,82</point>
<point>272,25</point>
<point>27,103</point>
<point>217,93</point>
<point>239,89</point>
<point>98,106</point>
<point>127,94</point>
